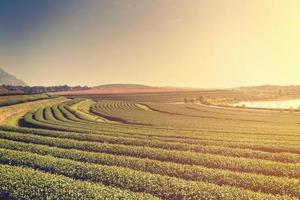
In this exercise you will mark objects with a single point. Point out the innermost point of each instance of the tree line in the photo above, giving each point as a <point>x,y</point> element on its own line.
<point>43,89</point>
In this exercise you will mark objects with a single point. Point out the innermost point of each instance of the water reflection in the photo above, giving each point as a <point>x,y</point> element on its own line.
<point>282,104</point>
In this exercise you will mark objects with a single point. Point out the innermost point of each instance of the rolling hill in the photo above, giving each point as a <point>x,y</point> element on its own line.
<point>124,89</point>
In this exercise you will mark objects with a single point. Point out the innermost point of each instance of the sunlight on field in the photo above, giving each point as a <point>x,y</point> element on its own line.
<point>83,107</point>
<point>181,150</point>
<point>142,106</point>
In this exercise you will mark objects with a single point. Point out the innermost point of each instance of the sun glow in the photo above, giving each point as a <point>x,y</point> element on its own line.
<point>183,43</point>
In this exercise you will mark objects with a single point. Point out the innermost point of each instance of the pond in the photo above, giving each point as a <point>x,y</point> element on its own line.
<point>278,104</point>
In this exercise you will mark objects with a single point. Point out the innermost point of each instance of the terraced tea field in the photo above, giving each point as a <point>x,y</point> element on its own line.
<point>7,100</point>
<point>15,109</point>
<point>83,149</point>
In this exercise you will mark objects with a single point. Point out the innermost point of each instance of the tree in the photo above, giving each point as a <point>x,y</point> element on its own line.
<point>201,99</point>
<point>185,100</point>
<point>193,100</point>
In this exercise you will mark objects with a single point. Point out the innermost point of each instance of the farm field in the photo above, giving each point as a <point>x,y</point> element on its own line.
<point>149,100</point>
<point>137,150</point>
<point>211,96</point>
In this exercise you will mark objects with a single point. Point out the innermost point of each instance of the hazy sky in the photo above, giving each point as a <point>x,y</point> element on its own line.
<point>194,43</point>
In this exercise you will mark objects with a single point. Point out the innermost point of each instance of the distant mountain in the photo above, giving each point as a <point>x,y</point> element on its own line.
<point>8,79</point>
<point>123,89</point>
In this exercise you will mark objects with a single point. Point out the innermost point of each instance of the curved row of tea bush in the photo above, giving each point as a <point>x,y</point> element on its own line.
<point>98,109</point>
<point>169,163</point>
<point>183,157</point>
<point>254,182</point>
<point>282,157</point>
<point>160,186</point>
<point>115,105</point>
<point>41,123</point>
<point>67,104</point>
<point>28,184</point>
